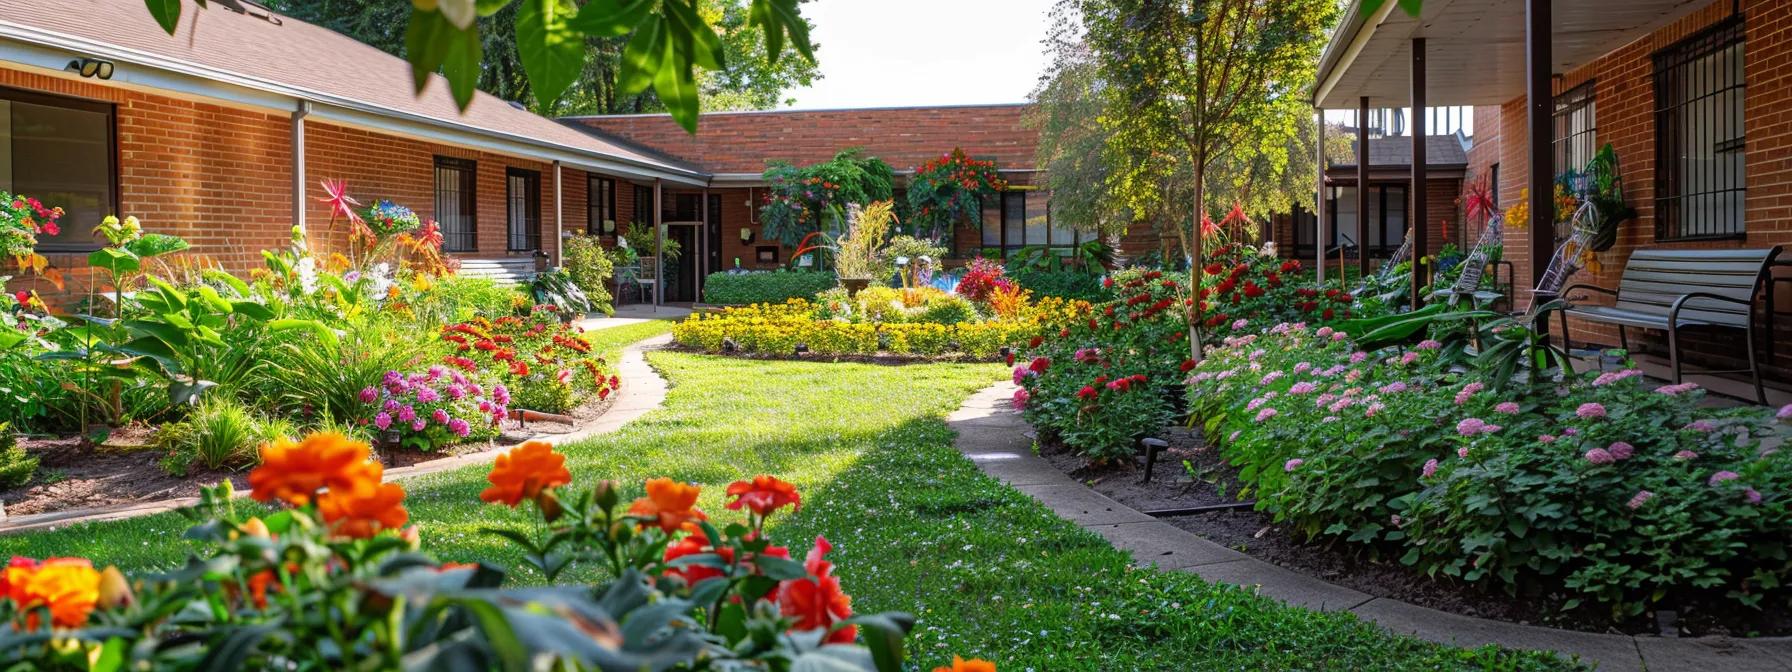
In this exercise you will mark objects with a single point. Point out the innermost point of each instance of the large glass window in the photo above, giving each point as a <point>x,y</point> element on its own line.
<point>600,203</point>
<point>456,211</point>
<point>1018,219</point>
<point>1386,221</point>
<point>522,199</point>
<point>1576,135</point>
<point>61,151</point>
<point>643,206</point>
<point>1699,181</point>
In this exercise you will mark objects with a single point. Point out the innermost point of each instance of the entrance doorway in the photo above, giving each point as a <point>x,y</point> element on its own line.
<point>682,272</point>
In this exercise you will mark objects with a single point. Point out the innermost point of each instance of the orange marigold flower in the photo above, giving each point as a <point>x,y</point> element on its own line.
<point>294,472</point>
<point>763,495</point>
<point>524,472</point>
<point>972,665</point>
<point>818,603</point>
<point>13,576</point>
<point>68,587</point>
<point>258,587</point>
<point>362,510</point>
<point>669,503</point>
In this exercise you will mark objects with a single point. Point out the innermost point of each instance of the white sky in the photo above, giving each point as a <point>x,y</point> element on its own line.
<point>878,53</point>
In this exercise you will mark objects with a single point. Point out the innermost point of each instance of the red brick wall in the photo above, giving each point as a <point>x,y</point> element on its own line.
<point>741,142</point>
<point>1625,98</point>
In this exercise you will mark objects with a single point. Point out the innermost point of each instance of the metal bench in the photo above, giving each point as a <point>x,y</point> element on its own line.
<point>1671,289</point>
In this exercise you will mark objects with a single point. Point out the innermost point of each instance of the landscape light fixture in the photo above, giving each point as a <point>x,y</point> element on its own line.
<point>91,68</point>
<point>802,349</point>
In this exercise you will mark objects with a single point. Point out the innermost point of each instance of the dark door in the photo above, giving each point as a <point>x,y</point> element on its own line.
<point>714,225</point>
<point>681,273</point>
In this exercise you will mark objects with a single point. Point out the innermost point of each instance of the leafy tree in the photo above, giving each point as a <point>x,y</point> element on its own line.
<point>1222,83</point>
<point>667,43</point>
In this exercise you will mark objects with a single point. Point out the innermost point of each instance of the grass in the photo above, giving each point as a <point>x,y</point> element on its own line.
<point>915,526</point>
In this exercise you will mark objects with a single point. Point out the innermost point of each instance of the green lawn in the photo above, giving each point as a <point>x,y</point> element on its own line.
<point>915,527</point>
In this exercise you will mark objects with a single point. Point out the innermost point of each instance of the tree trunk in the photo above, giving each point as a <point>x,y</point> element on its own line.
<point>1195,270</point>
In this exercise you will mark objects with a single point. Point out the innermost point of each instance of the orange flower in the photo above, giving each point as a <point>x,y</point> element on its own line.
<point>972,665</point>
<point>669,503</point>
<point>14,575</point>
<point>295,472</point>
<point>362,510</point>
<point>763,495</point>
<point>524,472</point>
<point>818,603</point>
<point>68,587</point>
<point>258,587</point>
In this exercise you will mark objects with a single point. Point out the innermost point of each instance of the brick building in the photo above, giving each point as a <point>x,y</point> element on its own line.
<point>222,133</point>
<point>1691,94</point>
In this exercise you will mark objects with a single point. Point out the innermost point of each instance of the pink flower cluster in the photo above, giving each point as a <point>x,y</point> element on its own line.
<point>1475,426</point>
<point>1610,377</point>
<point>440,400</point>
<point>1468,391</point>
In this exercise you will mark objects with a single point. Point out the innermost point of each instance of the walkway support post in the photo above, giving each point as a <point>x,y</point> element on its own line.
<point>1416,216</point>
<point>1319,199</point>
<point>659,245</point>
<point>559,216</point>
<point>1539,108</point>
<point>1362,190</point>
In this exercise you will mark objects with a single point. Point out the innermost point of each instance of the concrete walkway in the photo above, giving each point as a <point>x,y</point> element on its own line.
<point>642,390</point>
<point>995,437</point>
<point>633,314</point>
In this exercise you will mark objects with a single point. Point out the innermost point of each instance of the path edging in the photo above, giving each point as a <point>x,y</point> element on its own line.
<point>995,437</point>
<point>643,390</point>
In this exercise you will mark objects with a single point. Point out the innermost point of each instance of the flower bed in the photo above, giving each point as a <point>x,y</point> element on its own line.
<point>547,364</point>
<point>1626,497</point>
<point>322,583</point>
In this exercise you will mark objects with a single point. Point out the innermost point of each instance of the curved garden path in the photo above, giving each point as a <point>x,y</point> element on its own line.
<point>643,390</point>
<point>995,437</point>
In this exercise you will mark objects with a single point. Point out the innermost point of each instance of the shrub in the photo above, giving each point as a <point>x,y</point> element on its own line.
<point>1619,495</point>
<point>545,364</point>
<point>778,328</point>
<point>591,268</point>
<point>981,279</point>
<point>316,379</point>
<point>736,289</point>
<point>1111,373</point>
<point>948,309</point>
<point>218,433</point>
<point>1063,284</point>
<point>16,467</point>
<point>435,408</point>
<point>457,299</point>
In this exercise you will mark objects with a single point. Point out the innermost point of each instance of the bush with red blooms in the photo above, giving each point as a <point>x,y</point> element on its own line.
<point>1114,374</point>
<point>948,190</point>
<point>547,365</point>
<point>982,279</point>
<point>1245,291</point>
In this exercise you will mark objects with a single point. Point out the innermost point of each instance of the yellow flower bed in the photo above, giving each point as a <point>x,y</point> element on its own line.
<point>778,328</point>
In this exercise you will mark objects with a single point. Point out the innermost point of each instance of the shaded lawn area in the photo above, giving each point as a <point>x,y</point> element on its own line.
<point>915,527</point>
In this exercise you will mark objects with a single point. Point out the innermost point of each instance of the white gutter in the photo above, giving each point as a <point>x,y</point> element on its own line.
<point>1333,63</point>
<point>50,50</point>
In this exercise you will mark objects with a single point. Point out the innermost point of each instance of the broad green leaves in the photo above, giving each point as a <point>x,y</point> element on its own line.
<point>669,40</point>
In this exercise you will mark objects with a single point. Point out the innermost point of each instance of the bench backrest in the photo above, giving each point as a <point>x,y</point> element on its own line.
<point>1654,279</point>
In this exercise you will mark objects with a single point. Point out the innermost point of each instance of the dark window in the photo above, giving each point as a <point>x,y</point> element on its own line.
<point>1386,228</point>
<point>600,202</point>
<point>1023,219</point>
<point>456,211</point>
<point>1699,182</point>
<point>1493,184</point>
<point>61,151</point>
<point>643,206</point>
<point>522,200</point>
<point>1576,135</point>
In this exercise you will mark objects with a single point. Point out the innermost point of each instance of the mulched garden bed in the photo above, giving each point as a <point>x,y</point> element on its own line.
<point>1213,482</point>
<point>73,472</point>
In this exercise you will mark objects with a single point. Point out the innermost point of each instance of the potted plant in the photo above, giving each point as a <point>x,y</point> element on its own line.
<point>856,253</point>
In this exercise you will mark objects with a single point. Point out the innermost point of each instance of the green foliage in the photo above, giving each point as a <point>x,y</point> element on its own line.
<point>457,299</point>
<point>948,309</point>
<point>1075,285</point>
<point>558,289</point>
<point>618,47</point>
<point>801,201</point>
<point>641,240</point>
<point>949,190</point>
<point>591,268</point>
<point>739,289</point>
<point>218,433</point>
<point>16,467</point>
<point>1596,487</point>
<point>311,378</point>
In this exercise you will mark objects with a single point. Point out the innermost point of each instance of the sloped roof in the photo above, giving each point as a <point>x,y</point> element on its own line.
<point>1396,151</point>
<point>291,54</point>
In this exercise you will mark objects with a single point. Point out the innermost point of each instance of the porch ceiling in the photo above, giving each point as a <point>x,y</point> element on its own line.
<point>1474,48</point>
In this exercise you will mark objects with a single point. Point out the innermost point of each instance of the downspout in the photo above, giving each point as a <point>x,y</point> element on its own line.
<point>1319,200</point>
<point>298,164</point>
<point>559,213</point>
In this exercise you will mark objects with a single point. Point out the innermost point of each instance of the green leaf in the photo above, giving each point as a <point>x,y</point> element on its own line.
<point>780,569</point>
<point>777,17</point>
<point>166,13</point>
<point>233,652</point>
<point>252,310</point>
<point>883,634</point>
<point>611,18</point>
<point>509,650</point>
<point>704,46</point>
<point>426,40</point>
<point>10,338</point>
<point>677,87</point>
<point>116,260</point>
<point>553,54</point>
<point>157,244</point>
<point>461,65</point>
<point>642,58</point>
<point>322,331</point>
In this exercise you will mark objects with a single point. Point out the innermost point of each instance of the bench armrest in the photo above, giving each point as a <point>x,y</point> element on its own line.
<point>1570,289</point>
<point>1674,310</point>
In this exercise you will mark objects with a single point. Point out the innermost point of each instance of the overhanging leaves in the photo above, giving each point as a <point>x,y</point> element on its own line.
<point>553,54</point>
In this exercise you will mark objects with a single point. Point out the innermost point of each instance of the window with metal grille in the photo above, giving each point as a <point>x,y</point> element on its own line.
<point>600,204</point>
<point>523,208</point>
<point>1699,181</point>
<point>1576,134</point>
<point>455,209</point>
